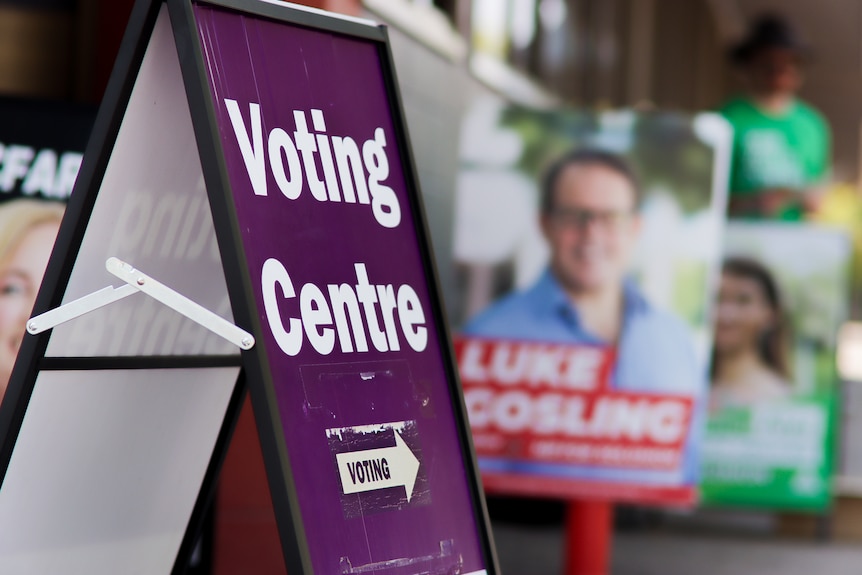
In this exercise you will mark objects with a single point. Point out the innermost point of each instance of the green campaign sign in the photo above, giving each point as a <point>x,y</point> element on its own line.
<point>772,418</point>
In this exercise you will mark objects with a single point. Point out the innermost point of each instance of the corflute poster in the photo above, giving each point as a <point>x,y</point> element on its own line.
<point>773,395</point>
<point>41,148</point>
<point>329,236</point>
<point>586,245</point>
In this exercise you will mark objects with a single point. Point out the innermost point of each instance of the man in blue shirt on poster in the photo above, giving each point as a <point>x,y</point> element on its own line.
<point>589,216</point>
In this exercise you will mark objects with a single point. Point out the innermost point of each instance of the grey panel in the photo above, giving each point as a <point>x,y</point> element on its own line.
<point>107,468</point>
<point>152,211</point>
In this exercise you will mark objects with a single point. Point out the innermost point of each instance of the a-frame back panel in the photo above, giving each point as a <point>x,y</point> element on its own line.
<point>108,464</point>
<point>152,211</point>
<point>109,488</point>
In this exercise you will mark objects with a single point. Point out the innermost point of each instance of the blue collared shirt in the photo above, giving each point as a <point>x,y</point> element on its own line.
<point>655,354</point>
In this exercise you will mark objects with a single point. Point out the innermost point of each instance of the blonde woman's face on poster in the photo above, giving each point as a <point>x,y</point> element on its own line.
<point>20,277</point>
<point>743,314</point>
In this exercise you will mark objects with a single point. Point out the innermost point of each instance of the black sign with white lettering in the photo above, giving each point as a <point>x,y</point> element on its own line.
<point>41,147</point>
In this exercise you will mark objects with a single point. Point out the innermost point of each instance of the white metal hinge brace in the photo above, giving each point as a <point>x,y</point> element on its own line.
<point>137,281</point>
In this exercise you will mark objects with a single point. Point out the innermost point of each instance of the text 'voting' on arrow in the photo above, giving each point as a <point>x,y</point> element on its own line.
<point>380,468</point>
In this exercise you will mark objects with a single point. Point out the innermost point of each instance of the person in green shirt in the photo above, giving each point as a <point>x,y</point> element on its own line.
<point>781,145</point>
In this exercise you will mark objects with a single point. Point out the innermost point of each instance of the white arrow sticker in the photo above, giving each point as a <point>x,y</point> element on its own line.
<point>379,468</point>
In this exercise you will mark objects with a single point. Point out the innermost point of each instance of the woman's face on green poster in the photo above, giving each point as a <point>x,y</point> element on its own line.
<point>743,314</point>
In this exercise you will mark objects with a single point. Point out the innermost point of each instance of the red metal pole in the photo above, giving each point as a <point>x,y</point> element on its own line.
<point>589,528</point>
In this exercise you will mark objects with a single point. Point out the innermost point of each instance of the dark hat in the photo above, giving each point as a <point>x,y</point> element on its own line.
<point>768,31</point>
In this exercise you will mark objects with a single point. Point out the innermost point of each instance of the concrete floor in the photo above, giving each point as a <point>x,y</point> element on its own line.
<point>530,550</point>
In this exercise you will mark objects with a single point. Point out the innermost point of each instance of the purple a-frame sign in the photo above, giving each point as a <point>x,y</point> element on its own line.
<point>356,380</point>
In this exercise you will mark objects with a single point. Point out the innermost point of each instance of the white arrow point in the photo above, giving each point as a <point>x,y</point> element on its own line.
<point>408,465</point>
<point>380,468</point>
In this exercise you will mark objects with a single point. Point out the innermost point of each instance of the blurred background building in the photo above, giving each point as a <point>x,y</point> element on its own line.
<point>605,53</point>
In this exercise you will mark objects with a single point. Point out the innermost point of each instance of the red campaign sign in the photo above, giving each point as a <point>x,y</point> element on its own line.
<point>550,403</point>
